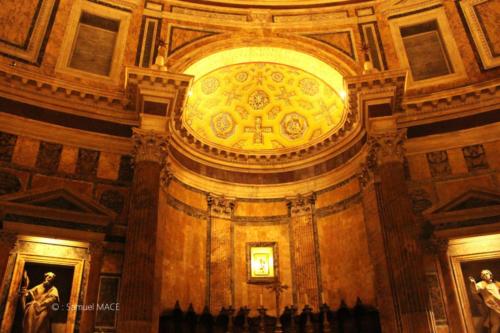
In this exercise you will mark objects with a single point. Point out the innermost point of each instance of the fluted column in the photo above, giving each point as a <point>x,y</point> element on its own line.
<point>401,234</point>
<point>377,250</point>
<point>7,242</point>
<point>141,275</point>
<point>305,257</point>
<point>87,322</point>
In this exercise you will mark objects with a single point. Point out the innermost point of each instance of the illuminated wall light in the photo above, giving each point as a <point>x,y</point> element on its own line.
<point>343,94</point>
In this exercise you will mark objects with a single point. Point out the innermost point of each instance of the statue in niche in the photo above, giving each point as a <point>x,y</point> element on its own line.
<point>38,304</point>
<point>487,292</point>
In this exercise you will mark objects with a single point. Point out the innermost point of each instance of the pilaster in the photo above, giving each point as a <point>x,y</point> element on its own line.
<point>304,243</point>
<point>219,253</point>
<point>87,321</point>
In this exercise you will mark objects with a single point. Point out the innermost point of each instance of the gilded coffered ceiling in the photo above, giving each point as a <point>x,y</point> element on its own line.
<point>258,106</point>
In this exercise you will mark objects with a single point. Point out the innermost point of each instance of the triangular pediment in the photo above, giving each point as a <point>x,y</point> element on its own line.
<point>473,198</point>
<point>60,198</point>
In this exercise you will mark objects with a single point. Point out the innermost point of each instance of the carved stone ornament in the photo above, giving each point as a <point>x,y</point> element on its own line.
<point>220,206</point>
<point>435,245</point>
<point>150,146</point>
<point>385,148</point>
<point>8,239</point>
<point>365,175</point>
<point>166,175</point>
<point>301,205</point>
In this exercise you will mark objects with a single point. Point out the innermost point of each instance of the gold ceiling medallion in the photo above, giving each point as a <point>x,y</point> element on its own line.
<point>242,76</point>
<point>277,76</point>
<point>209,85</point>
<point>309,86</point>
<point>293,126</point>
<point>258,100</point>
<point>223,125</point>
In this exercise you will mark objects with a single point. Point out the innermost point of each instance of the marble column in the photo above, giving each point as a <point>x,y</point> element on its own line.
<point>376,247</point>
<point>7,242</point>
<point>141,274</point>
<point>401,234</point>
<point>304,251</point>
<point>87,321</point>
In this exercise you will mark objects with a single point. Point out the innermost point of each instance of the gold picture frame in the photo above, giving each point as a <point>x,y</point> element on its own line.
<point>262,262</point>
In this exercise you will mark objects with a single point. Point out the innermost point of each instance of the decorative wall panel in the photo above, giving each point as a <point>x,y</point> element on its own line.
<point>340,40</point>
<point>371,39</point>
<point>180,37</point>
<point>149,35</point>
<point>437,301</point>
<point>425,51</point>
<point>482,18</point>
<point>94,33</point>
<point>107,299</point>
<point>49,156</point>
<point>475,157</point>
<point>438,163</point>
<point>25,28</point>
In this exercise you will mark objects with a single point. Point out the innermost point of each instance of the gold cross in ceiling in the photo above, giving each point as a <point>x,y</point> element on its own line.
<point>325,112</point>
<point>258,130</point>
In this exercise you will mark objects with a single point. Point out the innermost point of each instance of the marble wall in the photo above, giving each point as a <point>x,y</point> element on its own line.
<point>198,267</point>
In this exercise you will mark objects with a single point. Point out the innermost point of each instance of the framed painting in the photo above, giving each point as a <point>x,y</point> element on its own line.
<point>262,262</point>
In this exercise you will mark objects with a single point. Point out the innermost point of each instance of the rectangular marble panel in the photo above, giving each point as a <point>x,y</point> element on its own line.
<point>108,297</point>
<point>95,44</point>
<point>87,162</point>
<point>16,19</point>
<point>49,156</point>
<point>488,13</point>
<point>425,51</point>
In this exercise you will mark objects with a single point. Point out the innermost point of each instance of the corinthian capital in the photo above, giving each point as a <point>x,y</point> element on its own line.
<point>387,147</point>
<point>150,146</point>
<point>301,205</point>
<point>220,206</point>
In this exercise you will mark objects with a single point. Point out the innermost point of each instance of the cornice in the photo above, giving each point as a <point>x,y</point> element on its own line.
<point>457,139</point>
<point>450,103</point>
<point>64,96</point>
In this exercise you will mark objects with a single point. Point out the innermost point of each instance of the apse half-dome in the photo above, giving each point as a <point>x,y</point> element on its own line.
<point>263,100</point>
